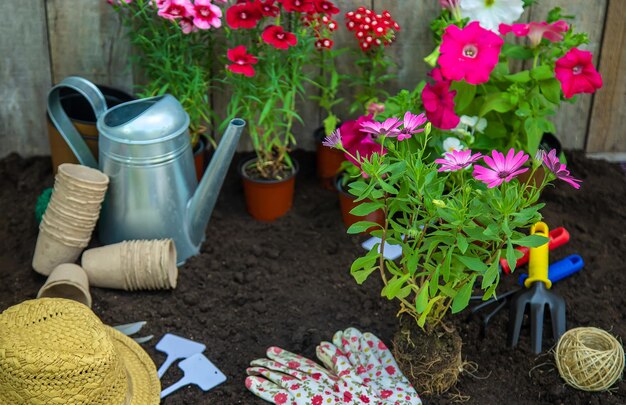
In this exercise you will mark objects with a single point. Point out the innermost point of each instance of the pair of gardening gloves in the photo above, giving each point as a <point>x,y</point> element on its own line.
<point>359,370</point>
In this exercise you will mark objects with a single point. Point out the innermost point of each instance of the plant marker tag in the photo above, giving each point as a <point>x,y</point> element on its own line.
<point>392,252</point>
<point>198,371</point>
<point>176,348</point>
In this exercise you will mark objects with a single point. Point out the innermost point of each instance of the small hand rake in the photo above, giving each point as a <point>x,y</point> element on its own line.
<point>537,296</point>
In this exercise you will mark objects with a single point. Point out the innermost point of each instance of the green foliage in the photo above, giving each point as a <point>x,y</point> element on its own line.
<point>453,230</point>
<point>374,67</point>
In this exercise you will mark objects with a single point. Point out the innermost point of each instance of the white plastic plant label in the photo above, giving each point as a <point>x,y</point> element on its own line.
<point>391,252</point>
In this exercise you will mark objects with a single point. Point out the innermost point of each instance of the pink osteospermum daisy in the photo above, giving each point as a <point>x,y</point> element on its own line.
<point>411,125</point>
<point>469,54</point>
<point>554,165</point>
<point>537,30</point>
<point>457,160</point>
<point>333,140</point>
<point>501,168</point>
<point>387,128</point>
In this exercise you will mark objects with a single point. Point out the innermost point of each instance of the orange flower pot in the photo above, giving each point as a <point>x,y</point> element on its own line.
<point>347,203</point>
<point>328,163</point>
<point>267,200</point>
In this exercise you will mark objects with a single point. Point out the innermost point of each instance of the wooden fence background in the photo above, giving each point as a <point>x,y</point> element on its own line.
<point>42,41</point>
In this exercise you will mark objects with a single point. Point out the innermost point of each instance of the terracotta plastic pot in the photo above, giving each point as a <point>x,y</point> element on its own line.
<point>347,203</point>
<point>267,200</point>
<point>548,142</point>
<point>199,158</point>
<point>328,161</point>
<point>83,118</point>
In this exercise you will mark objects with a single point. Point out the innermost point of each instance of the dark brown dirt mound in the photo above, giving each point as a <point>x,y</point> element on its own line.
<point>287,284</point>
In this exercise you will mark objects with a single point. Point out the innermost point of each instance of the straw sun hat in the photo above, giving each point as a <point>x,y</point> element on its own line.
<point>56,351</point>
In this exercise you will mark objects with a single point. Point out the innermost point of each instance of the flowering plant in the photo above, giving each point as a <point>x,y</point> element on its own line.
<point>374,32</point>
<point>474,99</point>
<point>270,43</point>
<point>175,43</point>
<point>454,217</point>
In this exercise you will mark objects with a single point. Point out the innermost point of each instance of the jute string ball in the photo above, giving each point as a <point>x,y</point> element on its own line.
<point>589,359</point>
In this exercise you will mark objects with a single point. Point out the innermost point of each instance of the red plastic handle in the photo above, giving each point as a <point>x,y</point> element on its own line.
<point>558,237</point>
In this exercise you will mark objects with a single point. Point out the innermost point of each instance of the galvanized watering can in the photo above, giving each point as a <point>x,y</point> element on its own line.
<point>145,150</point>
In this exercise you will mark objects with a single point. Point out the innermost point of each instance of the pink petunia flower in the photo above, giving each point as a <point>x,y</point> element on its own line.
<point>410,125</point>
<point>357,143</point>
<point>469,54</point>
<point>242,61</point>
<point>577,74</point>
<point>207,15</point>
<point>457,160</point>
<point>276,36</point>
<point>387,128</point>
<point>174,9</point>
<point>554,165</point>
<point>438,103</point>
<point>501,169</point>
<point>537,30</point>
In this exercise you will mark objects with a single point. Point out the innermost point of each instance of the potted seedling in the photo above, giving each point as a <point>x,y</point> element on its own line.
<point>453,218</point>
<point>269,45</point>
<point>477,100</point>
<point>175,42</point>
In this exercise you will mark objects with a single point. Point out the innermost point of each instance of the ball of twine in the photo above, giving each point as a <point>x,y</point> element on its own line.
<point>589,359</point>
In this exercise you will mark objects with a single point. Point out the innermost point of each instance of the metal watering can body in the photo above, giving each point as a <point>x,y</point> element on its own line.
<point>145,150</point>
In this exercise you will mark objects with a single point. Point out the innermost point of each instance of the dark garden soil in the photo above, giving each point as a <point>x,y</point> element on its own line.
<point>287,284</point>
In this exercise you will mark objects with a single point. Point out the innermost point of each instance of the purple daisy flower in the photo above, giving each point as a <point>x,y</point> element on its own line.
<point>457,160</point>
<point>501,169</point>
<point>552,163</point>
<point>333,140</point>
<point>411,124</point>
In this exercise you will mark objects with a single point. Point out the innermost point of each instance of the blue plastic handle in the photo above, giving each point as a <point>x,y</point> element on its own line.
<point>561,269</point>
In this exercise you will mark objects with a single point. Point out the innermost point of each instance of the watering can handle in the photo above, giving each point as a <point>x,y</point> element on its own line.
<point>538,258</point>
<point>63,123</point>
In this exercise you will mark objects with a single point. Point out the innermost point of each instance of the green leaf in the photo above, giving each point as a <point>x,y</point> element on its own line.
<point>473,263</point>
<point>361,275</point>
<point>533,135</point>
<point>551,90</point>
<point>542,72</point>
<point>366,208</point>
<point>465,93</point>
<point>422,298</point>
<point>448,291</point>
<point>499,102</point>
<point>511,257</point>
<point>362,226</point>
<point>462,298</point>
<point>516,52</point>
<point>422,319</point>
<point>394,286</point>
<point>461,243</point>
<point>531,241</point>
<point>492,273</point>
<point>521,77</point>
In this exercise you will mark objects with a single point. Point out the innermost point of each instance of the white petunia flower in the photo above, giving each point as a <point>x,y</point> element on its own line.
<point>451,144</point>
<point>491,13</point>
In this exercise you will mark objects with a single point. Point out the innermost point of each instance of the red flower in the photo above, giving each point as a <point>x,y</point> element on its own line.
<point>326,7</point>
<point>347,396</point>
<point>386,393</point>
<point>438,103</point>
<point>317,400</point>
<point>276,36</point>
<point>243,15</point>
<point>371,29</point>
<point>280,399</point>
<point>267,8</point>
<point>391,370</point>
<point>355,141</point>
<point>300,6</point>
<point>242,61</point>
<point>364,399</point>
<point>324,43</point>
<point>577,74</point>
<point>293,364</point>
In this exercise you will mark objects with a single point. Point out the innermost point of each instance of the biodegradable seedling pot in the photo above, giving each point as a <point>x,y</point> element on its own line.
<point>51,252</point>
<point>347,204</point>
<point>67,281</point>
<point>81,114</point>
<point>267,200</point>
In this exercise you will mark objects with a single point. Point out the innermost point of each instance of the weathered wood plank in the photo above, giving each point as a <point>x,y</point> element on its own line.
<point>25,78</point>
<point>607,129</point>
<point>572,119</point>
<point>87,39</point>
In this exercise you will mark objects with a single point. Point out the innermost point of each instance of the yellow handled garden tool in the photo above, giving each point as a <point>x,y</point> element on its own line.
<point>537,296</point>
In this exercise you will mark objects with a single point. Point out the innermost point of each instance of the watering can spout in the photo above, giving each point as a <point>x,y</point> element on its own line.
<point>203,200</point>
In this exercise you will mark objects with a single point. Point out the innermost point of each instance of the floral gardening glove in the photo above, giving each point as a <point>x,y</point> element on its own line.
<point>286,378</point>
<point>375,365</point>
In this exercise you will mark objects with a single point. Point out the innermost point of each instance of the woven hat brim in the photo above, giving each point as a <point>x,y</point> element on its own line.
<point>146,387</point>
